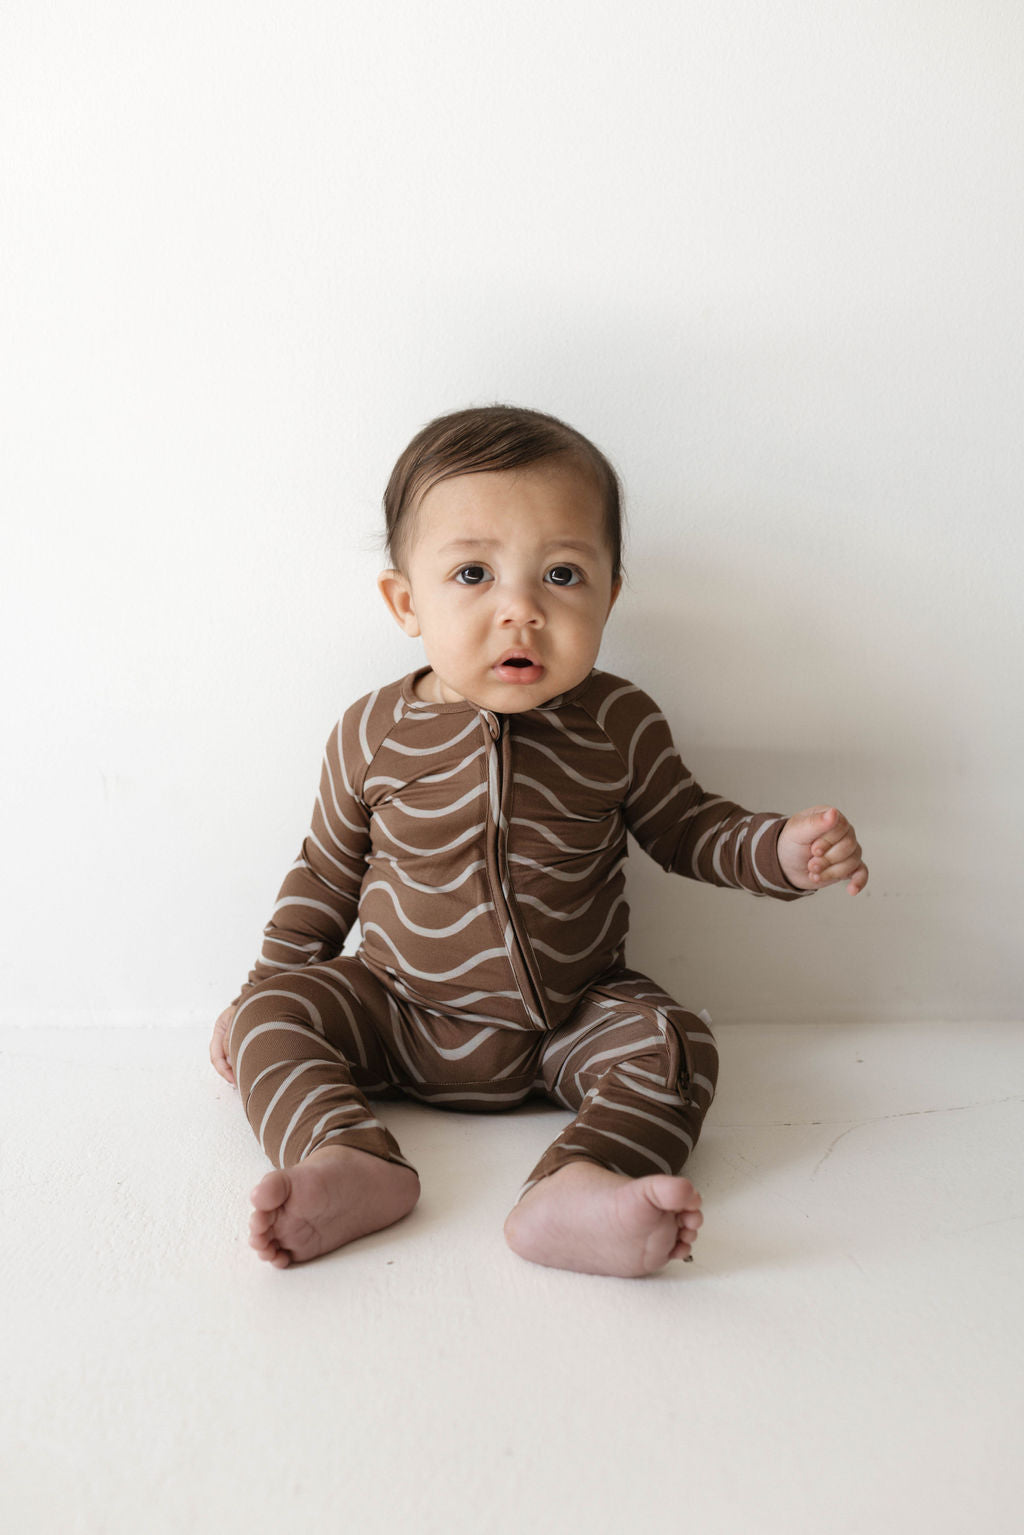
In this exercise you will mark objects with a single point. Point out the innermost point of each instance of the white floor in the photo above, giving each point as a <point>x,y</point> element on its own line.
<point>844,1354</point>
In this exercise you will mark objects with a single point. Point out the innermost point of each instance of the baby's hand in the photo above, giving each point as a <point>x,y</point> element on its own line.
<point>819,847</point>
<point>218,1045</point>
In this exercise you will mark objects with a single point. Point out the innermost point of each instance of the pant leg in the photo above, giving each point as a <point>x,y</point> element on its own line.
<point>639,1070</point>
<point>306,1046</point>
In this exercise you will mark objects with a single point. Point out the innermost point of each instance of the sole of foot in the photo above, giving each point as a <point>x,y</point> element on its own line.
<point>586,1218</point>
<point>335,1196</point>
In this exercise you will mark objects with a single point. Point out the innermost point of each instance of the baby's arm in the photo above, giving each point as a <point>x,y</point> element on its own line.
<point>819,847</point>
<point>706,837</point>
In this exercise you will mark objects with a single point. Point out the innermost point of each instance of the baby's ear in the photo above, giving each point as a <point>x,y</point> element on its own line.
<point>397,593</point>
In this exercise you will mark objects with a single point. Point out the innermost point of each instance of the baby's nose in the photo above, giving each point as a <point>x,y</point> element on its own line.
<point>521,606</point>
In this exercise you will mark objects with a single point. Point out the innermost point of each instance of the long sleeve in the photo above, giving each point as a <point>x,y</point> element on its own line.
<point>685,829</point>
<point>318,901</point>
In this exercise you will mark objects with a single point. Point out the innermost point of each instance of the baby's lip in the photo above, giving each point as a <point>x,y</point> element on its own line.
<point>519,655</point>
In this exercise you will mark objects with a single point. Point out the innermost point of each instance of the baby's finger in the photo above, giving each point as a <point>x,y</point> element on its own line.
<point>219,1059</point>
<point>836,833</point>
<point>859,880</point>
<point>832,874</point>
<point>841,852</point>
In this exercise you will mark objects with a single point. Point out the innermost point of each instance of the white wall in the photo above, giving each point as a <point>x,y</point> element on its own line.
<point>768,256</point>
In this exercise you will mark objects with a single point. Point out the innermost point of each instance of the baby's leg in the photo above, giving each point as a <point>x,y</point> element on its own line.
<point>304,1050</point>
<point>606,1197</point>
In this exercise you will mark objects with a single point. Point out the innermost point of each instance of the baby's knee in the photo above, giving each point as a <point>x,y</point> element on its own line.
<point>695,1057</point>
<point>268,1003</point>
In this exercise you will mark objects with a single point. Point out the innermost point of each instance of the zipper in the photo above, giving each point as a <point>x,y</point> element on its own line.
<point>523,963</point>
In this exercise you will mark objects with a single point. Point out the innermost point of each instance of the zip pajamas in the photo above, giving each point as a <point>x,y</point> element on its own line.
<point>484,857</point>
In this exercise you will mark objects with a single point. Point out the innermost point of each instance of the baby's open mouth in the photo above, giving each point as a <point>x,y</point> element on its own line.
<point>519,669</point>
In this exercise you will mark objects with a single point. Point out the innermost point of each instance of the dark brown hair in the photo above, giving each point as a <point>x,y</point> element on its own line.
<point>492,437</point>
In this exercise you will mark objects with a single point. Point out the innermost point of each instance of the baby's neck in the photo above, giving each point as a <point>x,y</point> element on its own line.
<point>428,688</point>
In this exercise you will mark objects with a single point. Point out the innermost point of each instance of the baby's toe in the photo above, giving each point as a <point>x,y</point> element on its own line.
<point>267,1247</point>
<point>260,1221</point>
<point>274,1254</point>
<point>271,1192</point>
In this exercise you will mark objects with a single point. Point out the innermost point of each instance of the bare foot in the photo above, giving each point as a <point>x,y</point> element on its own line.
<point>587,1218</point>
<point>334,1196</point>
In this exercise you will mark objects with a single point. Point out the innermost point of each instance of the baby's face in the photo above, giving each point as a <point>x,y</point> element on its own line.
<point>506,567</point>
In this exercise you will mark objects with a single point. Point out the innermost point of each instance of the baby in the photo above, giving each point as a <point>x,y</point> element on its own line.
<point>473,815</point>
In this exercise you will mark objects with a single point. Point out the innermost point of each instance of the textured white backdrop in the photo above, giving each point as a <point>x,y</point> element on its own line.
<point>767,256</point>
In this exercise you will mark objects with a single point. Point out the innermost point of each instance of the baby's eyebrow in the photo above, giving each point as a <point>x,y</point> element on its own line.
<point>470,543</point>
<point>495,543</point>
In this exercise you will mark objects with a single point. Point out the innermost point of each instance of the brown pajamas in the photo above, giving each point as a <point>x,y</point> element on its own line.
<point>484,857</point>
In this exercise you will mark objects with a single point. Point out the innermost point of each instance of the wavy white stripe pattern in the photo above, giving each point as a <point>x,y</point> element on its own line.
<point>496,847</point>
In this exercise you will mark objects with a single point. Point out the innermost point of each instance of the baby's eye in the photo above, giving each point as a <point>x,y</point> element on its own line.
<point>564,575</point>
<point>471,575</point>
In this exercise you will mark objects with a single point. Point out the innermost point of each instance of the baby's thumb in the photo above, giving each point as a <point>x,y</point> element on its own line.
<point>807,825</point>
